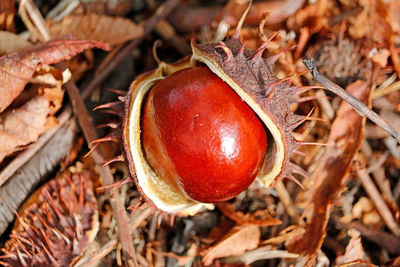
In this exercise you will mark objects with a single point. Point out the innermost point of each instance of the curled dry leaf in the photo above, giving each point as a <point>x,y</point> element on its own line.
<point>188,19</point>
<point>17,68</point>
<point>56,224</point>
<point>11,42</point>
<point>239,239</point>
<point>381,57</point>
<point>354,250</point>
<point>19,127</point>
<point>262,253</point>
<point>24,125</point>
<point>92,26</point>
<point>343,142</point>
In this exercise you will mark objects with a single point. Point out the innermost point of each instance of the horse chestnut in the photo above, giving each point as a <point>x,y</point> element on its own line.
<point>199,135</point>
<point>195,131</point>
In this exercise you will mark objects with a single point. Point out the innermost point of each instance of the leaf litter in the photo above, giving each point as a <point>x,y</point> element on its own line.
<point>348,212</point>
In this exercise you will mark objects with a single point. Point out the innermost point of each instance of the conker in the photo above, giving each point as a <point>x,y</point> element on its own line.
<point>195,131</point>
<point>199,135</point>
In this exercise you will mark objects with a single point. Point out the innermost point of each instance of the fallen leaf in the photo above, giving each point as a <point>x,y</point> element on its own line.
<point>262,253</point>
<point>343,143</point>
<point>354,250</point>
<point>285,235</point>
<point>11,42</point>
<point>239,239</point>
<point>381,57</point>
<point>31,114</point>
<point>19,127</point>
<point>91,26</point>
<point>17,68</point>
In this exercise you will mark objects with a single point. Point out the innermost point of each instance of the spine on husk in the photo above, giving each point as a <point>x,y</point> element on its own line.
<point>252,78</point>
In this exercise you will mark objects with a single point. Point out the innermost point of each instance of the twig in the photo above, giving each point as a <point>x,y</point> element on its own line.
<point>160,14</point>
<point>33,18</point>
<point>358,106</point>
<point>378,201</point>
<point>89,131</point>
<point>325,105</point>
<point>110,245</point>
<point>287,202</point>
<point>101,253</point>
<point>167,32</point>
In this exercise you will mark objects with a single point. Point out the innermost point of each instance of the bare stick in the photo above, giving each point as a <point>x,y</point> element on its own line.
<point>358,106</point>
<point>378,201</point>
<point>89,131</point>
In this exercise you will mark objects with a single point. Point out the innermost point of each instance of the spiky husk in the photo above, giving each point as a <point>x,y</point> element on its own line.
<point>55,225</point>
<point>253,80</point>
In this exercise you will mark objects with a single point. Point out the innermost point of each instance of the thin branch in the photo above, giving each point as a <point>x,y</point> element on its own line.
<point>89,131</point>
<point>378,201</point>
<point>358,106</point>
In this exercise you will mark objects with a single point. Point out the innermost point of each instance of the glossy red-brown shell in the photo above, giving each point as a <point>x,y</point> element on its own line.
<point>197,132</point>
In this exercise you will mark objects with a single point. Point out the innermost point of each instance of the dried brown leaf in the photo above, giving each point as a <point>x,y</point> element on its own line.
<point>91,26</point>
<point>17,68</point>
<point>343,142</point>
<point>381,57</point>
<point>23,125</point>
<point>239,239</point>
<point>19,127</point>
<point>354,250</point>
<point>11,42</point>
<point>262,253</point>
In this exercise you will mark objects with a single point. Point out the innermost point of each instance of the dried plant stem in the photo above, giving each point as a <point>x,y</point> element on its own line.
<point>137,220</point>
<point>287,202</point>
<point>34,20</point>
<point>158,15</point>
<point>89,131</point>
<point>106,249</point>
<point>377,199</point>
<point>358,106</point>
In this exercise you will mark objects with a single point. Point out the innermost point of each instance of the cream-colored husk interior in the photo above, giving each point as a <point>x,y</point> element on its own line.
<point>160,193</point>
<point>276,153</point>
